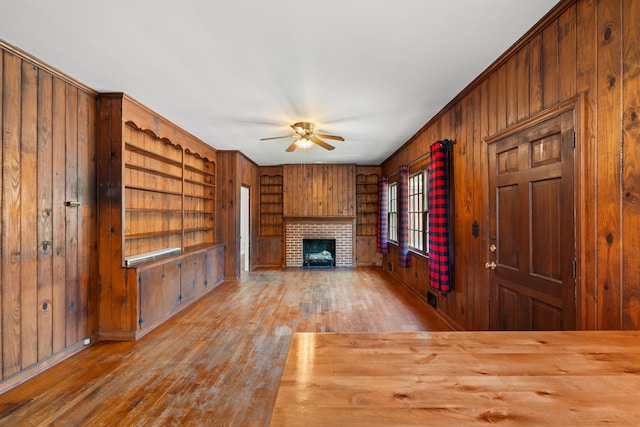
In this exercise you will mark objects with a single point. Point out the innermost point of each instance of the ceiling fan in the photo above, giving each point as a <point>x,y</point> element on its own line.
<point>305,137</point>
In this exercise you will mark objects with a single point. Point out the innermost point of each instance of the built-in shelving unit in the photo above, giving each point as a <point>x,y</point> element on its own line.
<point>152,193</point>
<point>271,206</point>
<point>157,219</point>
<point>366,204</point>
<point>199,200</point>
<point>367,184</point>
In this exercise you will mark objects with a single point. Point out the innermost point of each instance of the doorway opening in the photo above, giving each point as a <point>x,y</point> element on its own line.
<point>245,237</point>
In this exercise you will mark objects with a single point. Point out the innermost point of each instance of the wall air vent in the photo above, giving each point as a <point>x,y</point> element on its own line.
<point>432,299</point>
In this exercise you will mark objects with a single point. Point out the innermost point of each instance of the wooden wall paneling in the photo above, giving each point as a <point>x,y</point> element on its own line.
<point>2,210</point>
<point>462,202</point>
<point>71,215</point>
<point>287,190</point>
<point>45,216</point>
<point>631,171</point>
<point>105,212</point>
<point>252,180</point>
<point>28,215</point>
<point>59,242</point>
<point>86,212</point>
<point>586,84</point>
<point>512,92</point>
<point>11,246</point>
<point>549,65</point>
<point>567,54</point>
<point>314,173</point>
<point>319,190</point>
<point>492,103</point>
<point>480,245</point>
<point>230,193</point>
<point>536,75</point>
<point>523,80</point>
<point>608,73</point>
<point>501,94</point>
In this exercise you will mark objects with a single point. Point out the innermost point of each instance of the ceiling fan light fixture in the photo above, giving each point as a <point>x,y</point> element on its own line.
<point>303,143</point>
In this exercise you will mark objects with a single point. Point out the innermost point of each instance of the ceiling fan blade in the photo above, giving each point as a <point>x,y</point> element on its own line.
<point>337,138</point>
<point>321,143</point>
<point>277,137</point>
<point>292,147</point>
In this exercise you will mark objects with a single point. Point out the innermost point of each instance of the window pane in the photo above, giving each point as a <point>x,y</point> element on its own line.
<point>416,207</point>
<point>393,213</point>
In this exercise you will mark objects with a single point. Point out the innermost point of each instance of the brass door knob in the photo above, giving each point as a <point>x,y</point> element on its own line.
<point>490,265</point>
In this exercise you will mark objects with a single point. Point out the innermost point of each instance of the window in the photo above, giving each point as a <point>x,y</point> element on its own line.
<point>425,213</point>
<point>416,211</point>
<point>393,212</point>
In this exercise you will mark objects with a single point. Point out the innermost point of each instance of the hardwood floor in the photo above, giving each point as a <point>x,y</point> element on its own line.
<point>219,361</point>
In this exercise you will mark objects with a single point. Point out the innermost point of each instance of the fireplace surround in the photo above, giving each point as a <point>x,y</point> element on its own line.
<point>339,229</point>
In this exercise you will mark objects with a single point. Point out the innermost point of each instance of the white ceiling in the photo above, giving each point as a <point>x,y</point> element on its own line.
<point>232,72</point>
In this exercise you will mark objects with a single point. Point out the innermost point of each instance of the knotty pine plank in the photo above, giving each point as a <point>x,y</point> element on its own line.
<point>501,94</point>
<point>536,73</point>
<point>479,319</point>
<point>11,174</point>
<point>28,216</point>
<point>523,81</point>
<point>58,247</point>
<point>462,181</point>
<point>105,238</point>
<point>91,175</point>
<point>512,89</point>
<point>492,103</point>
<point>586,84</point>
<point>567,54</point>
<point>71,216</point>
<point>609,235</point>
<point>2,256</point>
<point>45,215</point>
<point>85,184</point>
<point>218,361</point>
<point>550,78</point>
<point>630,171</point>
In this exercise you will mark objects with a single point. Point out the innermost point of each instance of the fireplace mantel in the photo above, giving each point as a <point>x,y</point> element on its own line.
<point>319,219</point>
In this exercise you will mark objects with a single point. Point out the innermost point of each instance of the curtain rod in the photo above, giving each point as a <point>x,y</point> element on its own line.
<point>447,143</point>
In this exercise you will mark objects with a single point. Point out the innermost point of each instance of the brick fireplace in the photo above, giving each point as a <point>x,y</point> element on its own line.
<point>338,228</point>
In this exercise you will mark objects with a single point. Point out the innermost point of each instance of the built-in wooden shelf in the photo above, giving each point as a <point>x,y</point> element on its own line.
<point>157,237</point>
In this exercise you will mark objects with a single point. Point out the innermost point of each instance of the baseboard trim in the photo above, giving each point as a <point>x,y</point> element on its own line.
<point>32,371</point>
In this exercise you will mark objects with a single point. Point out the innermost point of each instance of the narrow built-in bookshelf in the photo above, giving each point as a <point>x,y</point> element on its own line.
<point>271,205</point>
<point>366,204</point>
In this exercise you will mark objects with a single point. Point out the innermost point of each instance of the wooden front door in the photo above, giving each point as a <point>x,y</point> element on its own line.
<point>532,230</point>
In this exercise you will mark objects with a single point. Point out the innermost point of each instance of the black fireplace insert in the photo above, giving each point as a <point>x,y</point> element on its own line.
<point>319,253</point>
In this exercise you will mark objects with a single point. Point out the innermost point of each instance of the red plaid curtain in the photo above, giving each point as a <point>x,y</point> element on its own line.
<point>403,217</point>
<point>439,212</point>
<point>383,190</point>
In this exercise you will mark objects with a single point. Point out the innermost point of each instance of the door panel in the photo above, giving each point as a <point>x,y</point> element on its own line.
<point>533,227</point>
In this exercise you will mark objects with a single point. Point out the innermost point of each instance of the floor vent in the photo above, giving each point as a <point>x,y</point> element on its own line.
<point>432,299</point>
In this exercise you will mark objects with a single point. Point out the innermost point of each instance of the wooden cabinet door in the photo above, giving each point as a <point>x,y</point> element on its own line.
<point>193,274</point>
<point>159,293</point>
<point>532,231</point>
<point>214,258</point>
<point>366,251</point>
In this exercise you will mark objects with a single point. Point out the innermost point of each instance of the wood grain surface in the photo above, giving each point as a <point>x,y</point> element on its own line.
<point>218,362</point>
<point>460,378</point>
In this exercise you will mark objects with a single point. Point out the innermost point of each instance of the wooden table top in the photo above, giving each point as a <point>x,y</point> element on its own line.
<point>461,378</point>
